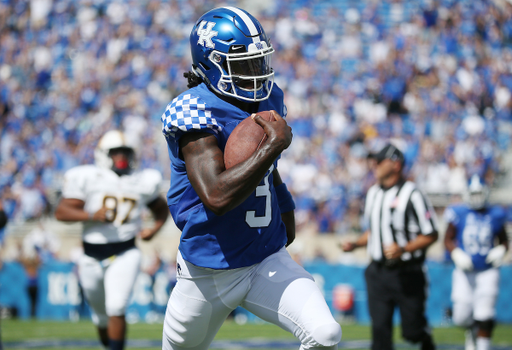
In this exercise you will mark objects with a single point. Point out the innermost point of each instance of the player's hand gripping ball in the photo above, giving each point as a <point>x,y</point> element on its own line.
<point>245,139</point>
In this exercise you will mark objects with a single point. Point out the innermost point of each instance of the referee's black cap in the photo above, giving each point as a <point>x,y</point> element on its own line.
<point>391,152</point>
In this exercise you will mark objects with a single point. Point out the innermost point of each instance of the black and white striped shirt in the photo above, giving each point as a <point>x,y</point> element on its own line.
<point>397,214</point>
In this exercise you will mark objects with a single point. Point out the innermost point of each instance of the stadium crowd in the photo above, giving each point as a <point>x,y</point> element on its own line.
<point>436,76</point>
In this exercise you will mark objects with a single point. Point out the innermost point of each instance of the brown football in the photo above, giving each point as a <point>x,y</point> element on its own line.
<point>245,139</point>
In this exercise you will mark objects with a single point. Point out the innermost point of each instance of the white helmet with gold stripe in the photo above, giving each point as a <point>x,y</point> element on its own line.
<point>112,142</point>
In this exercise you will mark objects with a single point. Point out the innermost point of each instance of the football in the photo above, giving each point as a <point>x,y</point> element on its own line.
<point>246,138</point>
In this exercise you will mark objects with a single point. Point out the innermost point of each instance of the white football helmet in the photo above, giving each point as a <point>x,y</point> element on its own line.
<point>477,193</point>
<point>114,139</point>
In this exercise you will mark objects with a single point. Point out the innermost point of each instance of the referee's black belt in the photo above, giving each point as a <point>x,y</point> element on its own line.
<point>104,251</point>
<point>399,264</point>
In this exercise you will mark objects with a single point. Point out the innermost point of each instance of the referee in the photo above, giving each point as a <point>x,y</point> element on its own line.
<point>401,225</point>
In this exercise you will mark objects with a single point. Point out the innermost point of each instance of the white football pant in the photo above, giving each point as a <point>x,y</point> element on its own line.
<point>108,284</point>
<point>277,290</point>
<point>474,295</point>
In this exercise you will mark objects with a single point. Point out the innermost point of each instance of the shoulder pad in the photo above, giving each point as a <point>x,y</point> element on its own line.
<point>187,112</point>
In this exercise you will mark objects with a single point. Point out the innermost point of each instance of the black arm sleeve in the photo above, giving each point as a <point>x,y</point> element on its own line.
<point>3,219</point>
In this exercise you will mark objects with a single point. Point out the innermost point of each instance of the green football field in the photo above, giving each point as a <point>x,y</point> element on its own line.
<point>82,335</point>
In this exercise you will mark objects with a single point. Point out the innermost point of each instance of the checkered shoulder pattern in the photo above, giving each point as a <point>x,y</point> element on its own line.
<point>186,112</point>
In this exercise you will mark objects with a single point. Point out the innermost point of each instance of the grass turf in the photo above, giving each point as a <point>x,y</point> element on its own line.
<point>18,331</point>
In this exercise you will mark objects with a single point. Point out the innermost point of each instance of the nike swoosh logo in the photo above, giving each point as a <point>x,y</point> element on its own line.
<point>271,273</point>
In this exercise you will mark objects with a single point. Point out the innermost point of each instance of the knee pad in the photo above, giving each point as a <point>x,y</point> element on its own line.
<point>115,307</point>
<point>486,325</point>
<point>116,311</point>
<point>462,315</point>
<point>326,335</point>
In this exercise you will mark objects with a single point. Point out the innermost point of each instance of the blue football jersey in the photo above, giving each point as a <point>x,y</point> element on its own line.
<point>247,234</point>
<point>476,230</point>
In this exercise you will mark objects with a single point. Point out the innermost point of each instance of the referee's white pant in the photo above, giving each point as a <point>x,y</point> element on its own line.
<point>277,290</point>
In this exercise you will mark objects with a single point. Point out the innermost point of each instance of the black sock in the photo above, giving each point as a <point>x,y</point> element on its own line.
<point>116,344</point>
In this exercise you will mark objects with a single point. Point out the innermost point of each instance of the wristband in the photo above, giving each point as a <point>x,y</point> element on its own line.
<point>91,215</point>
<point>284,198</point>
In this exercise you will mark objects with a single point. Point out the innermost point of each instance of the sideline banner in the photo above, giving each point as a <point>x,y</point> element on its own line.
<point>438,306</point>
<point>344,288</point>
<point>59,293</point>
<point>13,289</point>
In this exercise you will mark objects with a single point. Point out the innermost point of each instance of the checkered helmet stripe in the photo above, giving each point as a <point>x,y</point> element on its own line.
<point>185,113</point>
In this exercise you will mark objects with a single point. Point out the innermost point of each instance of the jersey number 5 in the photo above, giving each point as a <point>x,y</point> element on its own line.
<point>262,191</point>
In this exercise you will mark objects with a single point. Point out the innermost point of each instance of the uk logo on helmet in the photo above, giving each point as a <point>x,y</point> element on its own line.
<point>206,34</point>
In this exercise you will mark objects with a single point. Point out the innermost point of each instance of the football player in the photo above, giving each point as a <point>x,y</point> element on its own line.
<point>473,229</point>
<point>108,198</point>
<point>235,223</point>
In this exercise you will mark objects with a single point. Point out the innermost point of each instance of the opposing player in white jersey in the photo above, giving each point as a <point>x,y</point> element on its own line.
<point>473,229</point>
<point>108,198</point>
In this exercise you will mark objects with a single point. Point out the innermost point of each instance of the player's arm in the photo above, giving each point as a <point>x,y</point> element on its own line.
<point>160,212</point>
<point>222,190</point>
<point>449,238</point>
<point>72,210</point>
<point>459,257</point>
<point>502,237</point>
<point>362,241</point>
<point>287,206</point>
<point>497,254</point>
